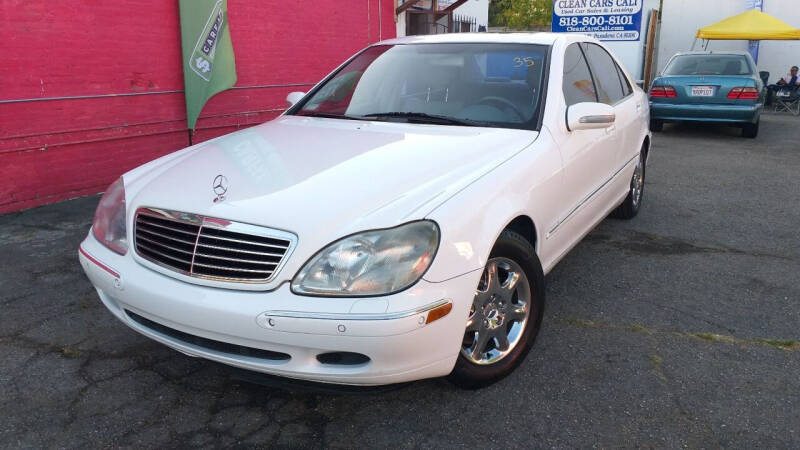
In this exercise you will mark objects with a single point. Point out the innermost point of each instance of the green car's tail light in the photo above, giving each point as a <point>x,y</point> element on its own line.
<point>663,92</point>
<point>743,93</point>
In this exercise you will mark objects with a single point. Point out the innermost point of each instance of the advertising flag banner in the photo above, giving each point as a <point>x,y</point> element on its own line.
<point>754,45</point>
<point>208,63</point>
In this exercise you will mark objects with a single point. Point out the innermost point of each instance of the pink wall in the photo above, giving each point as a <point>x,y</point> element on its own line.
<point>53,149</point>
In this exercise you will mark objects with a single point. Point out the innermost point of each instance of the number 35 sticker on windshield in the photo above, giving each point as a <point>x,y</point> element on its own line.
<point>524,61</point>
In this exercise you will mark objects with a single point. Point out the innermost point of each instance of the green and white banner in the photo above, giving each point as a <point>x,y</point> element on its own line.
<point>208,62</point>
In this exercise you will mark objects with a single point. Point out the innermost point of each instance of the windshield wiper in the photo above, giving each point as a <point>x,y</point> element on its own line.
<point>426,118</point>
<point>330,115</point>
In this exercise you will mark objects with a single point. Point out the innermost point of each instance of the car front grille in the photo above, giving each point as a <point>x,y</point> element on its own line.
<point>210,248</point>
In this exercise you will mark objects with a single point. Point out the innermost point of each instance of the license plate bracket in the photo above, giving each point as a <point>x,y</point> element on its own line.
<point>702,91</point>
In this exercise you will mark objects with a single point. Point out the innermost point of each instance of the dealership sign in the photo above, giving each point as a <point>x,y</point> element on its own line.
<point>606,20</point>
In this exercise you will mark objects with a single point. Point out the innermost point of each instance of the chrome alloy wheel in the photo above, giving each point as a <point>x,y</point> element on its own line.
<point>499,313</point>
<point>637,183</point>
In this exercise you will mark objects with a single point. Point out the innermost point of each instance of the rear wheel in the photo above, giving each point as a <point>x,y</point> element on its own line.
<point>750,130</point>
<point>630,207</point>
<point>656,125</point>
<point>505,316</point>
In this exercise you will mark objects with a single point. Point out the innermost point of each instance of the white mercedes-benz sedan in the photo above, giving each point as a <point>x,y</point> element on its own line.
<point>395,223</point>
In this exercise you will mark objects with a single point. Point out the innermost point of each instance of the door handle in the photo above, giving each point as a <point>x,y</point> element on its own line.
<point>638,106</point>
<point>611,129</point>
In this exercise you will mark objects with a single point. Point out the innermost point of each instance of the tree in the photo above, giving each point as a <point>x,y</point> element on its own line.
<point>497,9</point>
<point>521,14</point>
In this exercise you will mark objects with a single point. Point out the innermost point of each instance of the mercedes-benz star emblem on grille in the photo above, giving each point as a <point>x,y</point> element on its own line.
<point>220,187</point>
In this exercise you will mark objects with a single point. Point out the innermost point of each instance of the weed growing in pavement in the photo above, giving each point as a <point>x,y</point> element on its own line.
<point>789,345</point>
<point>715,337</point>
<point>70,352</point>
<point>657,369</point>
<point>783,344</point>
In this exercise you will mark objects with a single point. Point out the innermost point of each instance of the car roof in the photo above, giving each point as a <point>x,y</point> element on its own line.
<point>503,38</point>
<point>710,52</point>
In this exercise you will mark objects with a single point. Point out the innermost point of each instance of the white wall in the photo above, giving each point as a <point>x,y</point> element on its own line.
<point>681,19</point>
<point>631,53</point>
<point>777,57</point>
<point>400,21</point>
<point>479,9</point>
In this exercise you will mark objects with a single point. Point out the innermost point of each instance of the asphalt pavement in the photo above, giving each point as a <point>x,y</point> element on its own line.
<point>678,328</point>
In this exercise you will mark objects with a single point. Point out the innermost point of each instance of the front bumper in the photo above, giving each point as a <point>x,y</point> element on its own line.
<point>706,112</point>
<point>244,328</point>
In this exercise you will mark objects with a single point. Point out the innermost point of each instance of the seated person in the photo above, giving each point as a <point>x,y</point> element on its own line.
<point>790,81</point>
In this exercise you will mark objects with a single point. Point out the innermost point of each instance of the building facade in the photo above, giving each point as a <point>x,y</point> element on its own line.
<point>92,89</point>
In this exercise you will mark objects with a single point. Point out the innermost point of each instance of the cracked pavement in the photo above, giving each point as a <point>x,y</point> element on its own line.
<point>678,328</point>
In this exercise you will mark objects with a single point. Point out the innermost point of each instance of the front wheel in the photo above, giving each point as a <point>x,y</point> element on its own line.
<point>505,316</point>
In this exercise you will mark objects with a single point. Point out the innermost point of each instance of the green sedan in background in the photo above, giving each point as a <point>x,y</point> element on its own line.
<point>721,87</point>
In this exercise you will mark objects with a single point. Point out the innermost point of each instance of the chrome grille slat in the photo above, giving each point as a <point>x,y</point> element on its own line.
<point>230,269</point>
<point>239,241</point>
<point>154,224</point>
<point>163,235</point>
<point>210,248</point>
<point>237,250</point>
<point>139,244</point>
<point>175,249</point>
<point>246,261</point>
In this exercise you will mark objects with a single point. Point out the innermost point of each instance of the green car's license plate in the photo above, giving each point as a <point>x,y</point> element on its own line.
<point>702,91</point>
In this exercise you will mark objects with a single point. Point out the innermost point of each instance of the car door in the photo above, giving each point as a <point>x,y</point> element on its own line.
<point>631,109</point>
<point>612,91</point>
<point>584,155</point>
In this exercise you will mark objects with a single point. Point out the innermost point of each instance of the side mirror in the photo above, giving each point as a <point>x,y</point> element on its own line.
<point>294,97</point>
<point>588,115</point>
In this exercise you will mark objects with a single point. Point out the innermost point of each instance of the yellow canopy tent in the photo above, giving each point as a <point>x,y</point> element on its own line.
<point>752,25</point>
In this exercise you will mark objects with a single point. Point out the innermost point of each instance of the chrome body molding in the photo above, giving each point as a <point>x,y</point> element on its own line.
<point>367,316</point>
<point>589,197</point>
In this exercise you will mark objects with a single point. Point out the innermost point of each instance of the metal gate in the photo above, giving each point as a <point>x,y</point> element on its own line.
<point>425,22</point>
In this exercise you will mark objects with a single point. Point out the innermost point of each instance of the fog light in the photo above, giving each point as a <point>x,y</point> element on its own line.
<point>343,358</point>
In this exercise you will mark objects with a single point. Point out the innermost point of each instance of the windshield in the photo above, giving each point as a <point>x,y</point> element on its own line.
<point>709,65</point>
<point>453,84</point>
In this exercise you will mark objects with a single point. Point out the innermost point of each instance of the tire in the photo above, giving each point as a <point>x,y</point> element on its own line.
<point>498,311</point>
<point>633,202</point>
<point>656,125</point>
<point>750,130</point>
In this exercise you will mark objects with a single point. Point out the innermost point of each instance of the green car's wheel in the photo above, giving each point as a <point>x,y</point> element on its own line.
<point>656,125</point>
<point>750,130</point>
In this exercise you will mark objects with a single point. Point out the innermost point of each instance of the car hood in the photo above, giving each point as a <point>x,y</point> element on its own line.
<point>325,178</point>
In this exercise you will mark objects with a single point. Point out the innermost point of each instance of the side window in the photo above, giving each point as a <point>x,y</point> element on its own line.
<point>626,85</point>
<point>606,76</point>
<point>578,86</point>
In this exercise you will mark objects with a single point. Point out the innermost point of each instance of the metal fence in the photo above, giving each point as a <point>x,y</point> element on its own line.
<point>463,24</point>
<point>423,23</point>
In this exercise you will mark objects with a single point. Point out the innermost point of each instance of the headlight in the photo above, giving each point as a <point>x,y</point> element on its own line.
<point>109,219</point>
<point>376,262</point>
